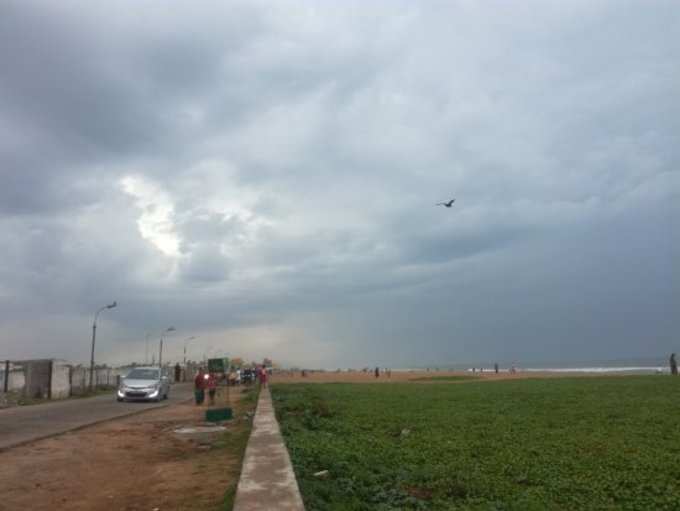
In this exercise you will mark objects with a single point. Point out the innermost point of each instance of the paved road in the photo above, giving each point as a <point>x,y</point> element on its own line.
<point>23,424</point>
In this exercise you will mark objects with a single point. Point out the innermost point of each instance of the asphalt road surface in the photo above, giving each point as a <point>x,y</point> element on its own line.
<point>22,424</point>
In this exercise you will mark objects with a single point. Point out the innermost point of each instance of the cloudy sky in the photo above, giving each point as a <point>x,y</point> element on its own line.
<point>263,175</point>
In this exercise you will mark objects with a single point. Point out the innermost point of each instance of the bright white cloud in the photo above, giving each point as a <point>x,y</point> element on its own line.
<point>156,217</point>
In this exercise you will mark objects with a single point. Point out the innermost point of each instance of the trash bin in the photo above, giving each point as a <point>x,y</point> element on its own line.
<point>218,414</point>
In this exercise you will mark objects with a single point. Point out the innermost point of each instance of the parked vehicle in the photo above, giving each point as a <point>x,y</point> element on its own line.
<point>144,384</point>
<point>248,376</point>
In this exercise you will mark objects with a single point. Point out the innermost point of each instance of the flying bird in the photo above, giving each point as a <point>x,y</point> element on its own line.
<point>446,204</point>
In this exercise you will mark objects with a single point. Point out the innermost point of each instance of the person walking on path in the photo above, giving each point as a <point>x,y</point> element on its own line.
<point>674,365</point>
<point>263,376</point>
<point>211,384</point>
<point>377,372</point>
<point>199,387</point>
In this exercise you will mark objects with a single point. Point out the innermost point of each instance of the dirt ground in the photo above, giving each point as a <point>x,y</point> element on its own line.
<point>132,464</point>
<point>399,376</point>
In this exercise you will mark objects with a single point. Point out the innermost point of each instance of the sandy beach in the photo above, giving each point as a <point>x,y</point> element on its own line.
<point>416,376</point>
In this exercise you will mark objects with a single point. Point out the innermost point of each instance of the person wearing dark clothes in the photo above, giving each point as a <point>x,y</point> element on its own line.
<point>377,372</point>
<point>211,384</point>
<point>199,387</point>
<point>674,365</point>
<point>178,372</point>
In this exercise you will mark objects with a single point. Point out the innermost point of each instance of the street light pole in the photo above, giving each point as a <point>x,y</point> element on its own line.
<point>160,350</point>
<point>146,349</point>
<point>186,341</point>
<point>94,335</point>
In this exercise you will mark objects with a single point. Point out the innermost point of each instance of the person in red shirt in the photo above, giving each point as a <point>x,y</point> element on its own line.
<point>199,387</point>
<point>263,376</point>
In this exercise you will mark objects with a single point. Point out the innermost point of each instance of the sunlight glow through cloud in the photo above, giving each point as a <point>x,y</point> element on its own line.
<point>155,223</point>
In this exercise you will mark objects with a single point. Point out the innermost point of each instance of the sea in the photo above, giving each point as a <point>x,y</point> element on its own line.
<point>656,365</point>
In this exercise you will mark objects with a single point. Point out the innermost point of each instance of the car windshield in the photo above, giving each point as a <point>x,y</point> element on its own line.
<point>143,374</point>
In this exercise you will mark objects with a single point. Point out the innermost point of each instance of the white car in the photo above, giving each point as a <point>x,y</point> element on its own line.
<point>144,384</point>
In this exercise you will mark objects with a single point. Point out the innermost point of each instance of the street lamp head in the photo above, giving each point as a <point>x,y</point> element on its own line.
<point>171,329</point>
<point>114,304</point>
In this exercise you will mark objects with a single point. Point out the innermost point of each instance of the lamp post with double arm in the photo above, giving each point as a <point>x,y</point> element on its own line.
<point>186,341</point>
<point>146,348</point>
<point>94,335</point>
<point>160,348</point>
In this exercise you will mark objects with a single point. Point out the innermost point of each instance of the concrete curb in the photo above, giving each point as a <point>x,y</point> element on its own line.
<point>89,424</point>
<point>267,481</point>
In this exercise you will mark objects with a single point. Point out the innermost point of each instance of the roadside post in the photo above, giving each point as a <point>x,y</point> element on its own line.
<point>6,382</point>
<point>94,334</point>
<point>160,346</point>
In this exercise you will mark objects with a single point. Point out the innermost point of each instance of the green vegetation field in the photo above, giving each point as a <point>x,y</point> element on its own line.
<point>568,443</point>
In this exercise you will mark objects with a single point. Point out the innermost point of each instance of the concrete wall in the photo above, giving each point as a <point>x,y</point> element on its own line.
<point>61,386</point>
<point>37,373</point>
<point>16,381</point>
<point>55,379</point>
<point>103,377</point>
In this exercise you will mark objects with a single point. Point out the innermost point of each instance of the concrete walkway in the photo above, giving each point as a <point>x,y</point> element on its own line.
<point>267,478</point>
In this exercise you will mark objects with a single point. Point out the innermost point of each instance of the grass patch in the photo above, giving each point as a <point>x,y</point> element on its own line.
<point>569,443</point>
<point>233,444</point>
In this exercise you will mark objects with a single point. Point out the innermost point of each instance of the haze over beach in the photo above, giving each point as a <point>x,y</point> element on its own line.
<point>265,178</point>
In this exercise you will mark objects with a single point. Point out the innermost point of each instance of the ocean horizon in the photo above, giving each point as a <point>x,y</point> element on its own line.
<point>631,365</point>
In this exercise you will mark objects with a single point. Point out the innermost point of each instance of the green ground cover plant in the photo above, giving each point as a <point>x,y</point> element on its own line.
<point>567,443</point>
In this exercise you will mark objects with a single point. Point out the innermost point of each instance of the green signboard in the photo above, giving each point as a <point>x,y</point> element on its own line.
<point>218,365</point>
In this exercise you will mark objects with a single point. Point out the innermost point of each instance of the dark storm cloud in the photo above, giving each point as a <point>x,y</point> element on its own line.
<point>265,175</point>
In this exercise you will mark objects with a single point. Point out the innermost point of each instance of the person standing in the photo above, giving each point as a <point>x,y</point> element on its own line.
<point>178,372</point>
<point>211,384</point>
<point>674,365</point>
<point>263,377</point>
<point>199,387</point>
<point>377,372</point>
